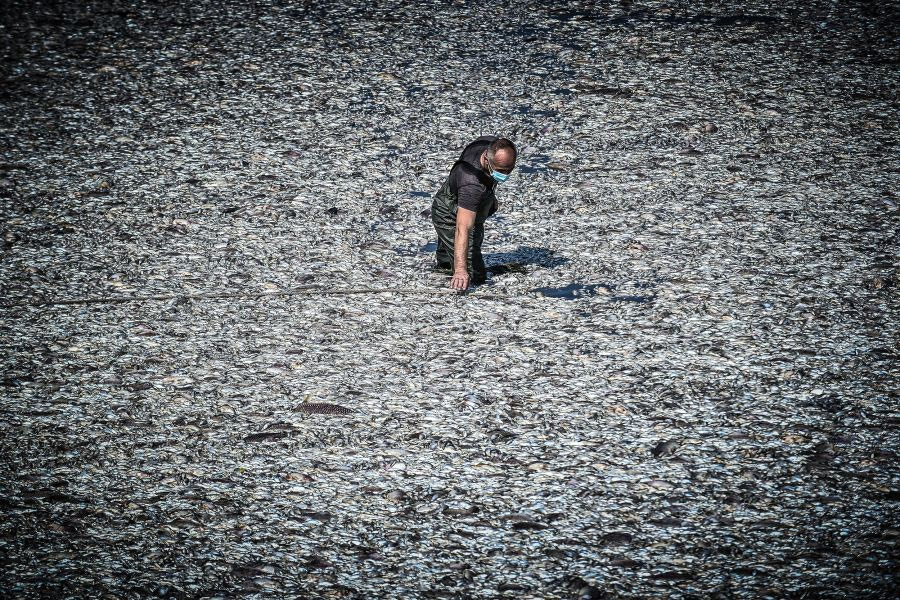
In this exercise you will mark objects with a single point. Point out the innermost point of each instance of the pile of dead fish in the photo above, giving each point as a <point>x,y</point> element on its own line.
<point>680,380</point>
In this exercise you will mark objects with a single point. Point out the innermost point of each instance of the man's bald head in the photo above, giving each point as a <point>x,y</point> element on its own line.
<point>502,154</point>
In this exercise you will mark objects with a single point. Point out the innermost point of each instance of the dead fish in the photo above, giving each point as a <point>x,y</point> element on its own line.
<point>661,484</point>
<point>674,575</point>
<point>315,515</point>
<point>584,590</point>
<point>616,538</point>
<point>528,525</point>
<point>666,522</point>
<point>707,300</point>
<point>323,408</point>
<point>511,587</point>
<point>626,563</point>
<point>397,496</point>
<point>464,511</point>
<point>317,562</point>
<point>664,447</point>
<point>266,436</point>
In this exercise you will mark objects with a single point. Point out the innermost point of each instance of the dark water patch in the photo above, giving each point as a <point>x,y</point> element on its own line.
<point>507,268</point>
<point>573,290</point>
<point>52,497</point>
<point>524,256</point>
<point>421,194</point>
<point>603,90</point>
<point>674,576</point>
<point>266,436</point>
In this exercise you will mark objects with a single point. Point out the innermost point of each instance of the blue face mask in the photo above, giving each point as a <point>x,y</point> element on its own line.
<point>499,177</point>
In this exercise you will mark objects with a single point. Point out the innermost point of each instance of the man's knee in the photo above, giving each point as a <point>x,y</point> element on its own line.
<point>443,256</point>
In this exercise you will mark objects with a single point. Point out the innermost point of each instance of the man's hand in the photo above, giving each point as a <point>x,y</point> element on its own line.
<point>465,220</point>
<point>460,280</point>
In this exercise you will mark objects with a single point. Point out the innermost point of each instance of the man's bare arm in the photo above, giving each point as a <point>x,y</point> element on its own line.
<point>465,220</point>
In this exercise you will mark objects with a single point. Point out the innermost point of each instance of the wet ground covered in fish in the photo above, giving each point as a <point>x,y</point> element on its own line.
<point>680,380</point>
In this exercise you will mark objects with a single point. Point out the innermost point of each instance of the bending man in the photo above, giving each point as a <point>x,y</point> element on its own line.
<point>463,203</point>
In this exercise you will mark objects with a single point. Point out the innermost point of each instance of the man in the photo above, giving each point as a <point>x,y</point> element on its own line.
<point>463,203</point>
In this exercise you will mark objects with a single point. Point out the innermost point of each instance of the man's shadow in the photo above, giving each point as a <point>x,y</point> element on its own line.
<point>520,259</point>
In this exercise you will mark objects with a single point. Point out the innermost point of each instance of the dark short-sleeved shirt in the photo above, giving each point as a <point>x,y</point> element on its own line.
<point>469,183</point>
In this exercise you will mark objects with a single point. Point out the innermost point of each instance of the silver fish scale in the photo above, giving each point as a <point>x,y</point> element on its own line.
<point>679,382</point>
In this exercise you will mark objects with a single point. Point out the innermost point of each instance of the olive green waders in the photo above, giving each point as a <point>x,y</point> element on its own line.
<point>443,215</point>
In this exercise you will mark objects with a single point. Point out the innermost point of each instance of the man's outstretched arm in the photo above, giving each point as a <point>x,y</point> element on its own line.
<point>465,220</point>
